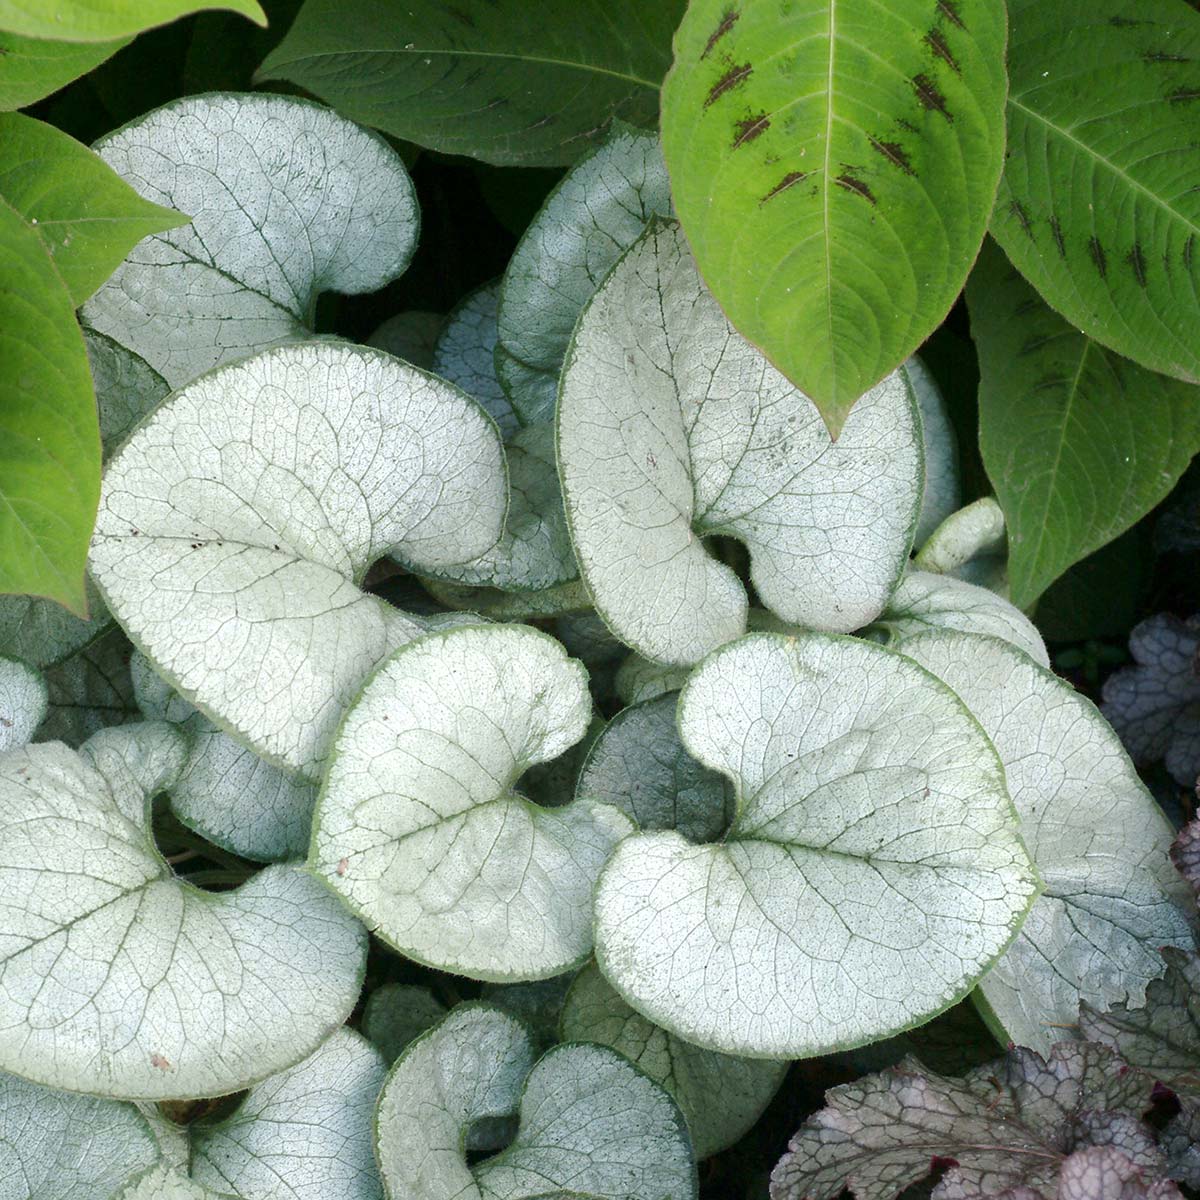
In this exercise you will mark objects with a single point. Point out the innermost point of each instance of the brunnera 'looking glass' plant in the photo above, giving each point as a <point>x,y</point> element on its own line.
<point>843,793</point>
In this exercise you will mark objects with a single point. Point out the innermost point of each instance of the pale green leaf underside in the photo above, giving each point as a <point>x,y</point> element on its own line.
<point>506,83</point>
<point>97,20</point>
<point>23,700</point>
<point>672,427</point>
<point>927,602</point>
<point>119,979</point>
<point>420,830</point>
<point>304,1134</point>
<point>225,792</point>
<point>237,521</point>
<point>594,215</point>
<point>1096,834</point>
<point>1097,206</point>
<point>1078,442</point>
<point>65,1146</point>
<point>835,165</point>
<point>31,68</point>
<point>287,200</point>
<point>639,765</point>
<point>943,486</point>
<point>589,1121</point>
<point>496,605</point>
<point>465,354</point>
<point>873,871</point>
<point>720,1096</point>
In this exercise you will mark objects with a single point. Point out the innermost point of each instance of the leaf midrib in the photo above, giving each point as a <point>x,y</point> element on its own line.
<point>270,71</point>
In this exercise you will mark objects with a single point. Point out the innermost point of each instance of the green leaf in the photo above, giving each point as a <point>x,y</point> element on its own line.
<point>90,690</point>
<point>101,20</point>
<point>770,942</point>
<point>411,336</point>
<point>31,68</point>
<point>591,1122</point>
<point>347,454</point>
<point>505,82</point>
<point>420,827</point>
<point>719,1095</point>
<point>834,164</point>
<point>49,435</point>
<point>1097,836</point>
<point>1078,442</point>
<point>87,216</point>
<point>289,200</point>
<point>244,983</point>
<point>672,428</point>
<point>1096,206</point>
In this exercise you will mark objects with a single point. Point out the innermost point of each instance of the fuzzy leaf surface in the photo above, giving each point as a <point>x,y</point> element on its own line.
<point>672,428</point>
<point>1096,834</point>
<point>863,787</point>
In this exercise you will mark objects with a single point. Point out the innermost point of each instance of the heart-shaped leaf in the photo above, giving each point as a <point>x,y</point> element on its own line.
<point>1095,207</point>
<point>70,1147</point>
<point>834,166</point>
<point>673,428</point>
<point>288,200</point>
<point>594,215</point>
<point>505,83</point>
<point>720,1096</point>
<point>1078,442</point>
<point>87,217</point>
<point>1096,834</point>
<point>864,787</point>
<point>116,977</point>
<point>925,602</point>
<point>238,521</point>
<point>591,1123</point>
<point>419,827</point>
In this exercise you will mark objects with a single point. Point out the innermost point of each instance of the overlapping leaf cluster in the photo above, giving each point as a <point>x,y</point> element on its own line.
<point>820,841</point>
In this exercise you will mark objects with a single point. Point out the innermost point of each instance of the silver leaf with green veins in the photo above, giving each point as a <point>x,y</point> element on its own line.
<point>118,978</point>
<point>673,428</point>
<point>591,1123</point>
<point>23,700</point>
<point>419,827</point>
<point>236,524</point>
<point>719,1095</point>
<point>57,1144</point>
<point>287,199</point>
<point>925,601</point>
<point>1096,834</point>
<point>872,873</point>
<point>594,215</point>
